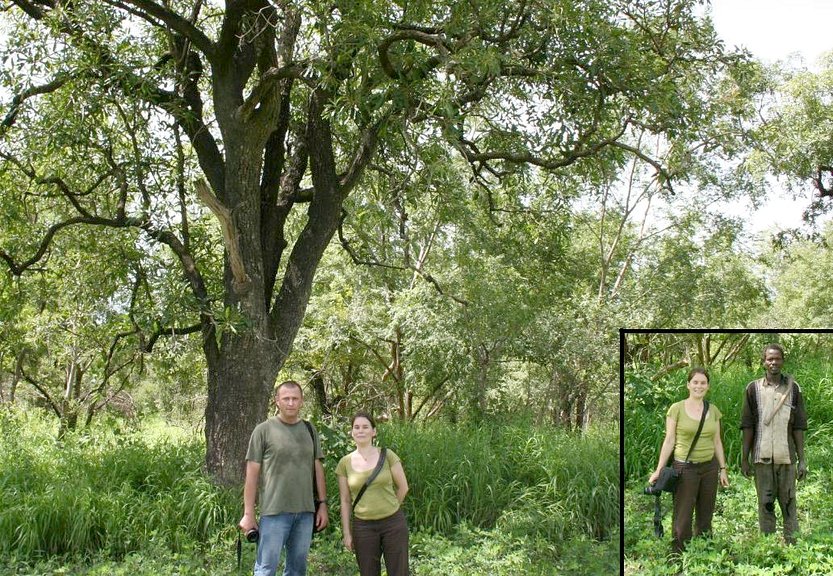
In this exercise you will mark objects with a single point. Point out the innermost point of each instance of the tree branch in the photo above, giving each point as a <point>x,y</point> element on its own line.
<point>663,176</point>
<point>154,13</point>
<point>415,269</point>
<point>362,156</point>
<point>818,181</point>
<point>267,83</point>
<point>43,392</point>
<point>429,39</point>
<point>19,99</point>
<point>242,282</point>
<point>31,9</point>
<point>186,112</point>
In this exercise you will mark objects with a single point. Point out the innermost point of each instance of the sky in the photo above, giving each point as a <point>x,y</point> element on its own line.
<point>774,30</point>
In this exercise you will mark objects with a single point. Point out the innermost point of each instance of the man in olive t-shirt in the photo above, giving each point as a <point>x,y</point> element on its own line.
<point>280,459</point>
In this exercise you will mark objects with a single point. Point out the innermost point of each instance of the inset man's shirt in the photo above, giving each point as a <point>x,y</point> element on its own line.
<point>773,417</point>
<point>687,428</point>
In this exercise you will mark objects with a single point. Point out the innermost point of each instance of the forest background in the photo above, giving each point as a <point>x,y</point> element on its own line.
<point>200,201</point>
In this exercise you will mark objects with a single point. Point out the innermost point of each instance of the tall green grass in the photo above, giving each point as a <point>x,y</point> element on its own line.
<point>527,480</point>
<point>647,400</point>
<point>101,490</point>
<point>736,545</point>
<point>118,494</point>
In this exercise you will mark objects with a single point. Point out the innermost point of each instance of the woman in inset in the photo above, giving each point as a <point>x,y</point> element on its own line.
<point>706,466</point>
<point>372,520</point>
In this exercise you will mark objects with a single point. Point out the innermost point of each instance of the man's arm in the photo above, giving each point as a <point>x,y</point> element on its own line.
<point>799,425</point>
<point>798,439</point>
<point>748,422</point>
<point>748,436</point>
<point>322,517</point>
<point>248,521</point>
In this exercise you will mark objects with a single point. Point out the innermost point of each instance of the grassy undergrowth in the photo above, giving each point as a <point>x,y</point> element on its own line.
<point>736,547</point>
<point>498,500</point>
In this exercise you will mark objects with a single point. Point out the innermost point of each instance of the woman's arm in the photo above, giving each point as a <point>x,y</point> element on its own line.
<point>346,511</point>
<point>667,447</point>
<point>398,474</point>
<point>721,458</point>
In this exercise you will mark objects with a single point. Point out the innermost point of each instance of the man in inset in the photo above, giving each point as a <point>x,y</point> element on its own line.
<point>773,421</point>
<point>286,450</point>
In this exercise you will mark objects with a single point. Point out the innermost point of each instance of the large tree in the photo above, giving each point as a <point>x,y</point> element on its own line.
<point>126,112</point>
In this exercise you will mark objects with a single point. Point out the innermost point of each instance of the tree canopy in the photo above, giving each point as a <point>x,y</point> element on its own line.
<point>223,147</point>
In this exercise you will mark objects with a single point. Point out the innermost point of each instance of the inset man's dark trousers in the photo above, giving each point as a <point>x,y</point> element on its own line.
<point>695,496</point>
<point>776,482</point>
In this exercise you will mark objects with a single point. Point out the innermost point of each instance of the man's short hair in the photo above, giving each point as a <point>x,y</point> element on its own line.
<point>289,383</point>
<point>772,346</point>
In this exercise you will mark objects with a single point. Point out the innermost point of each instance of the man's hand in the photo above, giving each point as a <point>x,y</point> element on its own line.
<point>745,468</point>
<point>247,523</point>
<point>802,470</point>
<point>321,518</point>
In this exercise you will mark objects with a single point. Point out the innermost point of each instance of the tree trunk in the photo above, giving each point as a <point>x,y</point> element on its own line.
<point>563,386</point>
<point>481,385</point>
<point>581,409</point>
<point>397,373</point>
<point>242,368</point>
<point>18,374</point>
<point>319,386</point>
<point>241,380</point>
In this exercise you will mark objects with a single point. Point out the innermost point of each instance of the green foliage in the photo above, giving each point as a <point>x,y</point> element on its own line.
<point>802,297</point>
<point>470,550</point>
<point>113,500</point>
<point>736,546</point>
<point>699,274</point>
<point>102,490</point>
<point>794,141</point>
<point>527,481</point>
<point>647,400</point>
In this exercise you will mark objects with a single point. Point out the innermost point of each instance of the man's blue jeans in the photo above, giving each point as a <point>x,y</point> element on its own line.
<point>290,531</point>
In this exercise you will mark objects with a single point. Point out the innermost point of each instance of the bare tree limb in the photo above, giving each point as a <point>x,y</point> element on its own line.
<point>154,13</point>
<point>242,281</point>
<point>345,243</point>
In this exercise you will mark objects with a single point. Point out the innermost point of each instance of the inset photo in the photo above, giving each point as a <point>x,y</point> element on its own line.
<point>727,451</point>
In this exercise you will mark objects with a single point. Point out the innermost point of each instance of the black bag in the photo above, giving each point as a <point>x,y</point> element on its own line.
<point>316,501</point>
<point>667,481</point>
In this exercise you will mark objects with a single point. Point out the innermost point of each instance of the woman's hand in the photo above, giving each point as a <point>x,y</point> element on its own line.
<point>348,541</point>
<point>653,477</point>
<point>724,477</point>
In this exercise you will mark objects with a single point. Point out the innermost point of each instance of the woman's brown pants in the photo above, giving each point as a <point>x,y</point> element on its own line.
<point>388,537</point>
<point>695,496</point>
